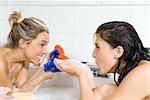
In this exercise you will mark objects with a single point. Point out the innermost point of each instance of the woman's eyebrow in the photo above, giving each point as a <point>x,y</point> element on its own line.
<point>97,44</point>
<point>44,41</point>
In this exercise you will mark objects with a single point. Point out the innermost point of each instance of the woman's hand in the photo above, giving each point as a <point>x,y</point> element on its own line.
<point>44,75</point>
<point>70,66</point>
<point>76,68</point>
<point>41,72</point>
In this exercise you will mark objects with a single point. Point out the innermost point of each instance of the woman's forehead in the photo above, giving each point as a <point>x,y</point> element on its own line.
<point>43,35</point>
<point>99,39</point>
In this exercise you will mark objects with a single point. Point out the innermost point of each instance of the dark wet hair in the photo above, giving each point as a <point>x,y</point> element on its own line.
<point>118,33</point>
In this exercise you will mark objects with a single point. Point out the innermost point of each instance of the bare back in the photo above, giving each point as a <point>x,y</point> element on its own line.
<point>135,86</point>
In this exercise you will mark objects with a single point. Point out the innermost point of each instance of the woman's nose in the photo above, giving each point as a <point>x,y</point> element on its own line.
<point>45,51</point>
<point>93,54</point>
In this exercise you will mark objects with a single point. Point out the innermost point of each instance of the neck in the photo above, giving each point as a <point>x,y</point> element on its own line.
<point>15,55</point>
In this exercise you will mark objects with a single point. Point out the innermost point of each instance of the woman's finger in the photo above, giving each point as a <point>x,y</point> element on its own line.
<point>61,63</point>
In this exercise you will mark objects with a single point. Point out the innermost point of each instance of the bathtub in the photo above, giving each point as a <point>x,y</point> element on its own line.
<point>63,87</point>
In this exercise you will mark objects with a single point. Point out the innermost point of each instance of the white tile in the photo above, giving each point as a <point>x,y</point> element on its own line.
<point>63,39</point>
<point>83,47</point>
<point>4,26</point>
<point>136,2</point>
<point>40,12</point>
<point>116,2</point>
<point>5,12</point>
<point>9,9</point>
<point>39,2</point>
<point>62,2</point>
<point>115,13</point>
<point>146,41</point>
<point>76,46</point>
<point>139,19</point>
<point>62,19</point>
<point>148,21</point>
<point>14,2</point>
<point>137,15</point>
<point>2,13</point>
<point>86,19</point>
<point>87,3</point>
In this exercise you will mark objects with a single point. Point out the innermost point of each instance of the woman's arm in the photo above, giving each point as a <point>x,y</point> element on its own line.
<point>135,85</point>
<point>87,83</point>
<point>23,74</point>
<point>4,77</point>
<point>26,83</point>
<point>97,93</point>
<point>86,92</point>
<point>4,80</point>
<point>88,89</point>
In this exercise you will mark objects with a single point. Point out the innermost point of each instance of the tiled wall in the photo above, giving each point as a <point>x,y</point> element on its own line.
<point>73,23</point>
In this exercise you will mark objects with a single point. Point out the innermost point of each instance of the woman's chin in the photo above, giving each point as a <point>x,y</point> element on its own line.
<point>103,72</point>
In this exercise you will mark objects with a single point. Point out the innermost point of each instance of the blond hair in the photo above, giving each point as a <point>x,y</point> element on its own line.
<point>26,29</point>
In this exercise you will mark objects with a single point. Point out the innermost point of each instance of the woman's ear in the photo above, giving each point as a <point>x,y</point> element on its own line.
<point>22,43</point>
<point>118,52</point>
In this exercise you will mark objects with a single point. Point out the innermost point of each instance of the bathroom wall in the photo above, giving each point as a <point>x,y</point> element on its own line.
<point>72,23</point>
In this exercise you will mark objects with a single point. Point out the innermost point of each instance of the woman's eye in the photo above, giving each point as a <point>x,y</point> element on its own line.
<point>42,45</point>
<point>97,46</point>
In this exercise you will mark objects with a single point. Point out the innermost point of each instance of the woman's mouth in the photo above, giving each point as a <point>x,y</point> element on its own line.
<point>40,58</point>
<point>97,65</point>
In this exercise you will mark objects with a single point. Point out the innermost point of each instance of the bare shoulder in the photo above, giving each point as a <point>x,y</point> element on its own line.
<point>3,54</point>
<point>144,70</point>
<point>4,50</point>
<point>105,90</point>
<point>2,58</point>
<point>135,86</point>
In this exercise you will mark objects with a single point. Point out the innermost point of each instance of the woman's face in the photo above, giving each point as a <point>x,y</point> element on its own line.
<point>104,56</point>
<point>37,48</point>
